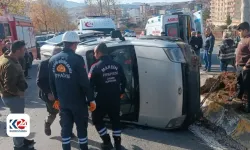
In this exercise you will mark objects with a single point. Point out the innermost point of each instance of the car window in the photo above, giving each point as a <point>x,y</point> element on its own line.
<point>126,57</point>
<point>171,30</point>
<point>7,29</point>
<point>56,39</point>
<point>41,38</point>
<point>123,55</point>
<point>90,58</point>
<point>2,35</point>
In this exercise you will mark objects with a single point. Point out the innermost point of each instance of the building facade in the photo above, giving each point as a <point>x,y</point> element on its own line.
<point>145,12</point>
<point>134,15</point>
<point>220,9</point>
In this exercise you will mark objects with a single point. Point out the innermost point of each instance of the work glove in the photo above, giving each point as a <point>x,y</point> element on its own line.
<point>122,96</point>
<point>56,104</point>
<point>92,106</point>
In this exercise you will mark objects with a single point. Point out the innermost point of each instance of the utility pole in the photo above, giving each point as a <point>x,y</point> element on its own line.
<point>101,7</point>
<point>245,11</point>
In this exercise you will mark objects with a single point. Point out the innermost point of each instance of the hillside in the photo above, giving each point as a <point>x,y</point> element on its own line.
<point>70,4</point>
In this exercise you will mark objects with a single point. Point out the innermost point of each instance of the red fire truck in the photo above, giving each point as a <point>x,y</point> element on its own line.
<point>14,27</point>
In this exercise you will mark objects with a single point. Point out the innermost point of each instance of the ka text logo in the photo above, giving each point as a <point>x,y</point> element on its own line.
<point>18,125</point>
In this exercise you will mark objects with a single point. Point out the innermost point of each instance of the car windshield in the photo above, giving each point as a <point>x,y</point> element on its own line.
<point>56,39</point>
<point>50,36</point>
<point>41,38</point>
<point>104,30</point>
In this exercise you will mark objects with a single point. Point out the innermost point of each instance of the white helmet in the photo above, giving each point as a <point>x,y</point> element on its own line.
<point>71,36</point>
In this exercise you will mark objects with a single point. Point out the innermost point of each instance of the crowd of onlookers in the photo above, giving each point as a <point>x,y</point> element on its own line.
<point>227,49</point>
<point>235,53</point>
<point>5,46</point>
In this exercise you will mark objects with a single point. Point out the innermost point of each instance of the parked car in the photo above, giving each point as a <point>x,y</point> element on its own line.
<point>55,42</point>
<point>130,34</point>
<point>163,79</point>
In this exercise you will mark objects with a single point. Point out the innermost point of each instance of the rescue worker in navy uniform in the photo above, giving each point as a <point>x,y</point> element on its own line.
<point>108,79</point>
<point>45,94</point>
<point>70,86</point>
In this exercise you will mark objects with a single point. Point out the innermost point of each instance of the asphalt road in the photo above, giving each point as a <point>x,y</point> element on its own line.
<point>133,138</point>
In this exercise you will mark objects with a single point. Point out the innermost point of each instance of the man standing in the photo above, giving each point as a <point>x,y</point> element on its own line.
<point>226,53</point>
<point>45,93</point>
<point>26,65</point>
<point>200,45</point>
<point>194,42</point>
<point>209,46</point>
<point>6,46</point>
<point>13,85</point>
<point>243,63</point>
<point>108,80</point>
<point>70,86</point>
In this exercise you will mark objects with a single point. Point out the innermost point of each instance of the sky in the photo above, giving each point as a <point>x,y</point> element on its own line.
<point>142,1</point>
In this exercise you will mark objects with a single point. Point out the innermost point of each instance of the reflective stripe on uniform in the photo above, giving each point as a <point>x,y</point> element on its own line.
<point>83,140</point>
<point>117,133</point>
<point>66,140</point>
<point>103,131</point>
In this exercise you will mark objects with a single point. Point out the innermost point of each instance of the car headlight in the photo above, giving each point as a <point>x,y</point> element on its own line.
<point>175,55</point>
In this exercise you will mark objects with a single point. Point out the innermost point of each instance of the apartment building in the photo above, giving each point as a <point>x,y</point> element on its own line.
<point>202,3</point>
<point>220,9</point>
<point>134,15</point>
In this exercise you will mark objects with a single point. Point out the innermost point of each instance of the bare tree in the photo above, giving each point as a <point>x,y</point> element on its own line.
<point>48,15</point>
<point>107,6</point>
<point>15,6</point>
<point>92,9</point>
<point>102,7</point>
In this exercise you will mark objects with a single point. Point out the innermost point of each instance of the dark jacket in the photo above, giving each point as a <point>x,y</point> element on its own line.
<point>243,52</point>
<point>194,43</point>
<point>108,79</point>
<point>11,76</point>
<point>209,43</point>
<point>69,81</point>
<point>200,42</point>
<point>227,50</point>
<point>42,80</point>
<point>4,49</point>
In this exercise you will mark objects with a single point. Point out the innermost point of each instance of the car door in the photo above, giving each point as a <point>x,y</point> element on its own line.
<point>125,56</point>
<point>198,23</point>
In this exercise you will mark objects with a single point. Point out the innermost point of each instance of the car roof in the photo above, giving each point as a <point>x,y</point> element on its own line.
<point>90,45</point>
<point>58,39</point>
<point>40,36</point>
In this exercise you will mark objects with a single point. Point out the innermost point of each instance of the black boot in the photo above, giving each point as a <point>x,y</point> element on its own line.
<point>47,129</point>
<point>26,146</point>
<point>106,145</point>
<point>247,108</point>
<point>28,142</point>
<point>73,136</point>
<point>84,147</point>
<point>117,140</point>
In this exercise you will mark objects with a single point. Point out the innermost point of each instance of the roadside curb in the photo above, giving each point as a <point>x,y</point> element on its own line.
<point>235,125</point>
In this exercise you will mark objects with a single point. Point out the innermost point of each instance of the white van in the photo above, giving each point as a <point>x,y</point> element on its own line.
<point>103,24</point>
<point>175,25</point>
